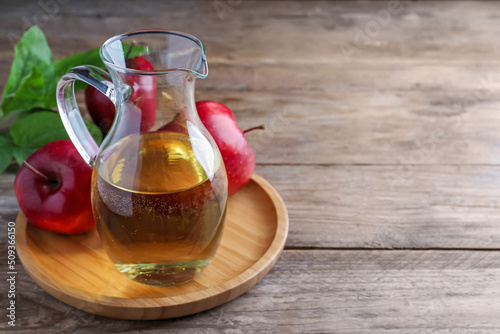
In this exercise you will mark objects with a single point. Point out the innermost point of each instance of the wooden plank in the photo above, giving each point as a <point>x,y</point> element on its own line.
<point>320,292</point>
<point>390,206</point>
<point>368,127</point>
<point>8,202</point>
<point>322,81</point>
<point>291,32</point>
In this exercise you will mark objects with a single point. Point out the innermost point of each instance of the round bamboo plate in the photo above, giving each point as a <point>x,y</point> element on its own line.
<point>76,270</point>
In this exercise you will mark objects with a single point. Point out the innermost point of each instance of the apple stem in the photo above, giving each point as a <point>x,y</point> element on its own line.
<point>36,171</point>
<point>260,127</point>
<point>53,183</point>
<point>130,49</point>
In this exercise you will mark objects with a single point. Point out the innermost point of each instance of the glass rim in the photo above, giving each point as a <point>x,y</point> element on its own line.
<point>127,70</point>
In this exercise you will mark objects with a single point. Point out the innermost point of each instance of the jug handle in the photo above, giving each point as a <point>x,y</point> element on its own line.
<point>68,108</point>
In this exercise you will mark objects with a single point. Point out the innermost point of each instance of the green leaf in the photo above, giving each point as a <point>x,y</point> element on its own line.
<point>38,129</point>
<point>43,127</point>
<point>5,153</point>
<point>34,75</point>
<point>31,52</point>
<point>28,94</point>
<point>95,132</point>
<point>91,57</point>
<point>22,153</point>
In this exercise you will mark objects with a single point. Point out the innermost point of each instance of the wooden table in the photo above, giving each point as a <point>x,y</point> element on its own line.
<point>383,138</point>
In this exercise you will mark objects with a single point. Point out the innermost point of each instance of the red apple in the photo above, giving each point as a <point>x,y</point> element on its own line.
<point>143,97</point>
<point>100,108</point>
<point>53,189</point>
<point>178,124</point>
<point>143,91</point>
<point>238,157</point>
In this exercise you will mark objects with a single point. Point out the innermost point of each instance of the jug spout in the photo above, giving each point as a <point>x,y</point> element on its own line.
<point>167,51</point>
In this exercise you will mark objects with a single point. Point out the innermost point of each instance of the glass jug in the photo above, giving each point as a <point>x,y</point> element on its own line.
<point>159,187</point>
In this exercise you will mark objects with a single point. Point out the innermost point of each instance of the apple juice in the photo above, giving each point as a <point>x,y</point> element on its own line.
<point>159,206</point>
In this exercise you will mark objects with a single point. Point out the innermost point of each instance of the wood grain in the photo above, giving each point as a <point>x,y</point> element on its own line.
<point>367,128</point>
<point>322,291</point>
<point>411,207</point>
<point>300,32</point>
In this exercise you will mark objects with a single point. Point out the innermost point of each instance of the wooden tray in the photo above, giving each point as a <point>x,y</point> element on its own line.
<point>75,269</point>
